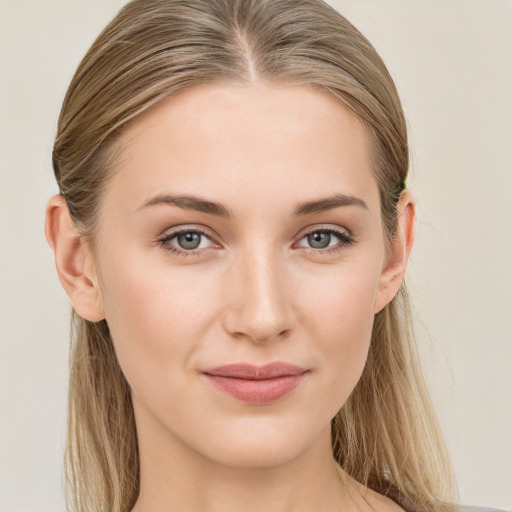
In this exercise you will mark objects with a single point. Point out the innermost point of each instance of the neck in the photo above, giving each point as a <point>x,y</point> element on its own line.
<point>174,477</point>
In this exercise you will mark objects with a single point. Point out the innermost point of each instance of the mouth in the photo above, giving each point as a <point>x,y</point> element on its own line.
<point>256,385</point>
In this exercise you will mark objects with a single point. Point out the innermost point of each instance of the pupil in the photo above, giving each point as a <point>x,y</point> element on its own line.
<point>319,240</point>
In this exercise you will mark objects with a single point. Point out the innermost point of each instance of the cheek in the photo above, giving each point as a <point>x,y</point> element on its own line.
<point>340,323</point>
<point>155,317</point>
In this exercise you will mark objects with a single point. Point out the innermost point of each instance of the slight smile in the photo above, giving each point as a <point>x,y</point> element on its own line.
<point>256,385</point>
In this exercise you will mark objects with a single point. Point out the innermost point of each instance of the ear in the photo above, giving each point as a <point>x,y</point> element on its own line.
<point>396,263</point>
<point>74,261</point>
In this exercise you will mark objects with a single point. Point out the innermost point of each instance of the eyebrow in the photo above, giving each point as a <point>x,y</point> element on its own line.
<point>188,202</point>
<point>329,203</point>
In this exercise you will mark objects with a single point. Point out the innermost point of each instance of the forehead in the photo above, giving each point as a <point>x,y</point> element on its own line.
<point>252,145</point>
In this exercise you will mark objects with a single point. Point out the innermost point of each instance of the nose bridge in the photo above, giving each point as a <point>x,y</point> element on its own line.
<point>259,305</point>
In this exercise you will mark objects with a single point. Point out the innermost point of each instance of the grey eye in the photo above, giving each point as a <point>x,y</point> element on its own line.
<point>319,239</point>
<point>186,241</point>
<point>326,238</point>
<point>189,240</point>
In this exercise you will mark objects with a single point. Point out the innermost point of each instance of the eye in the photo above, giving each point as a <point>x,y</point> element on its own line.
<point>326,240</point>
<point>189,242</point>
<point>186,241</point>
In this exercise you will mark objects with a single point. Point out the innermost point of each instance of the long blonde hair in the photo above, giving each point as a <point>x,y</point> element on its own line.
<point>386,435</point>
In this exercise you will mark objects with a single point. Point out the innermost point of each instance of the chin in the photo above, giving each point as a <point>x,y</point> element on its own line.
<point>262,447</point>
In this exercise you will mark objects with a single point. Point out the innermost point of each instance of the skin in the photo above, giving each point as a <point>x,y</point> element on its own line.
<point>254,291</point>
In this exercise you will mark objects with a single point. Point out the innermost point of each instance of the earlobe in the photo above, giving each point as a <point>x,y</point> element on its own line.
<point>396,263</point>
<point>73,261</point>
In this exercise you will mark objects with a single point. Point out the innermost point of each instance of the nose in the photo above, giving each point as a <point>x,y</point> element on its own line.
<point>258,305</point>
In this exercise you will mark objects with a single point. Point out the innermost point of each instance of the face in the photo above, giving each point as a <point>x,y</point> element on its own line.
<point>240,259</point>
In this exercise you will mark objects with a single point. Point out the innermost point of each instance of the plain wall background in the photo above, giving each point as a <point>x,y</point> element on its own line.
<point>452,64</point>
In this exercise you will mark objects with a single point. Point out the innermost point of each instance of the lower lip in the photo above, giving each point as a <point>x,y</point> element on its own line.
<point>257,392</point>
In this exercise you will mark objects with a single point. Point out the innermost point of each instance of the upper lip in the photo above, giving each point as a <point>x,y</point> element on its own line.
<point>252,372</point>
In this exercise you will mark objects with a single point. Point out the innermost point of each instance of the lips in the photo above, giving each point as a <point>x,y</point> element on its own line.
<point>256,384</point>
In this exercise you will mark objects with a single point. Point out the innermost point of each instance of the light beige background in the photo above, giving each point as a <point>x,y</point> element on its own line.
<point>453,67</point>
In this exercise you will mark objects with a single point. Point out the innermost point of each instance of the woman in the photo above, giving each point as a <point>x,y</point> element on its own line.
<point>233,229</point>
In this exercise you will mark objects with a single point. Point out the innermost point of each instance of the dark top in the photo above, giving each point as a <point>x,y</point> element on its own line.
<point>467,508</point>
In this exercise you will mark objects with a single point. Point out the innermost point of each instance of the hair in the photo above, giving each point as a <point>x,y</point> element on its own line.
<point>386,435</point>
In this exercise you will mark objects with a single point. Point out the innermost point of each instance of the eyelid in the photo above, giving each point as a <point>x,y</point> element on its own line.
<point>325,227</point>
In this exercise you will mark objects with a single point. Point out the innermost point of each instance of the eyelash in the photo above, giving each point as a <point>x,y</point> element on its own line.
<point>344,238</point>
